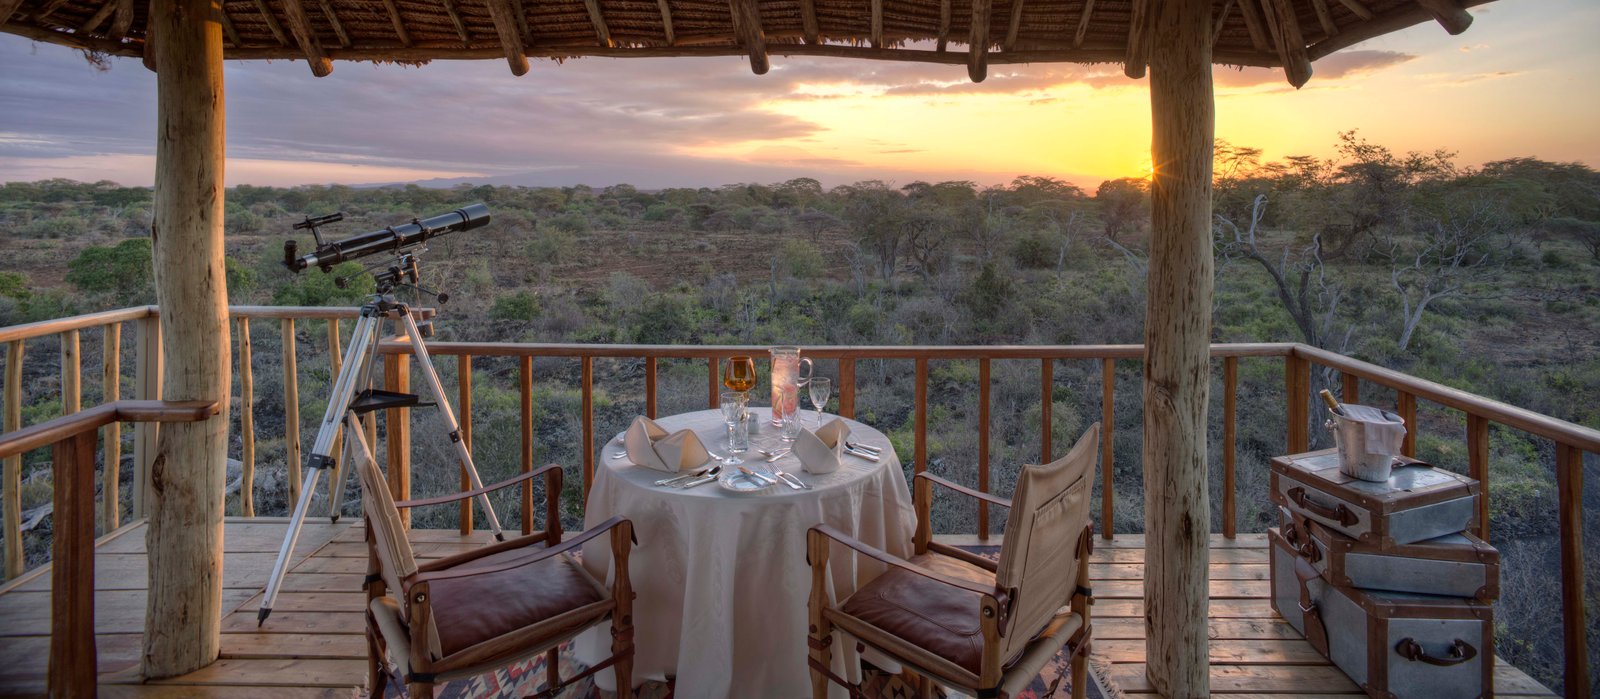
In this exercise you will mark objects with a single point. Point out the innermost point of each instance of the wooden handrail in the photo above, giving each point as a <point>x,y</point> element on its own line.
<point>72,666</point>
<point>54,326</point>
<point>1584,438</point>
<point>932,352</point>
<point>47,433</point>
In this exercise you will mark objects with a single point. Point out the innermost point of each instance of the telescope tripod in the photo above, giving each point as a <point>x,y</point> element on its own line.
<point>353,395</point>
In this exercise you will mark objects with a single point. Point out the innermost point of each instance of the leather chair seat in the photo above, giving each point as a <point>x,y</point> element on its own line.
<point>472,609</point>
<point>926,613</point>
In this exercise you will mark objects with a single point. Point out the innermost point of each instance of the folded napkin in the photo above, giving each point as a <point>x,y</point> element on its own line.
<point>1384,431</point>
<point>650,446</point>
<point>822,451</point>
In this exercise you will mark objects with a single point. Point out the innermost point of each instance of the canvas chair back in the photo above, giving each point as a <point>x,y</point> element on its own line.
<point>1039,559</point>
<point>395,560</point>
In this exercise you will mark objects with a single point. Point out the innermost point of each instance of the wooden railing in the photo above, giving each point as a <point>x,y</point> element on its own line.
<point>1571,441</point>
<point>73,668</point>
<point>147,370</point>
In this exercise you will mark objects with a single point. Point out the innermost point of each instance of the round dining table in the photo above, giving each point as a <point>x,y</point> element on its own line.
<point>721,577</point>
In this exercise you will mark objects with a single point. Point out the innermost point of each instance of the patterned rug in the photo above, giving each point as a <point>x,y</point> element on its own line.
<point>529,677</point>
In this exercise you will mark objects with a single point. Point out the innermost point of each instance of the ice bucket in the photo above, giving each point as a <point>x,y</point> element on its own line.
<point>1356,459</point>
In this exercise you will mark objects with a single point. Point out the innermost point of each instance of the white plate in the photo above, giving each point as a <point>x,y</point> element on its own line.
<point>739,483</point>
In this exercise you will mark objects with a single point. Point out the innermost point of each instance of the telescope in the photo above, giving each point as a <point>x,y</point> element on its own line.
<point>392,240</point>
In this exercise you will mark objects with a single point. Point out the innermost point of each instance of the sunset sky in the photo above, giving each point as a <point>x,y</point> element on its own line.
<point>1523,81</point>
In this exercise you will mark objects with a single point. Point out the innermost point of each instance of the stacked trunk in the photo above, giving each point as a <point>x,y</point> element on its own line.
<point>1383,579</point>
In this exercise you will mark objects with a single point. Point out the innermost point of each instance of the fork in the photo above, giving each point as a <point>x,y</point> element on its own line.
<point>857,446</point>
<point>793,481</point>
<point>682,477</point>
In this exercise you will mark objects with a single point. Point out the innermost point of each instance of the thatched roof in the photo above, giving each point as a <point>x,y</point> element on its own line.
<point>1284,33</point>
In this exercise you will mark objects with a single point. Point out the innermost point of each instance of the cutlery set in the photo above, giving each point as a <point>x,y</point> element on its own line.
<point>703,476</point>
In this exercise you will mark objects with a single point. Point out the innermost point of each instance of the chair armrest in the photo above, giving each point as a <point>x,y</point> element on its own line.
<point>898,562</point>
<point>453,497</point>
<point>992,499</point>
<point>541,554</point>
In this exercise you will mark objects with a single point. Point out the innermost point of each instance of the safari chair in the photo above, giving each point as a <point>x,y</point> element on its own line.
<point>477,611</point>
<point>962,620</point>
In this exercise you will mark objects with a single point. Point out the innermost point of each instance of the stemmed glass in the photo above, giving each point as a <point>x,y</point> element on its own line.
<point>739,377</point>
<point>820,388</point>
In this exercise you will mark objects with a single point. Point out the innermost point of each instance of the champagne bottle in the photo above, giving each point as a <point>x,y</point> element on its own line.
<point>1327,397</point>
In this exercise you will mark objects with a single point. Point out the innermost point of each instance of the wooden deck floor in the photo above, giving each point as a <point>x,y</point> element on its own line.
<point>312,645</point>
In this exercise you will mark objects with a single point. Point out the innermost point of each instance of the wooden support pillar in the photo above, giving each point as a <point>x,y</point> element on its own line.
<point>189,471</point>
<point>1177,366</point>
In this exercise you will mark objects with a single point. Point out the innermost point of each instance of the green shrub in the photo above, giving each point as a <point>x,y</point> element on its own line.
<point>521,305</point>
<point>318,289</point>
<point>123,272</point>
<point>800,259</point>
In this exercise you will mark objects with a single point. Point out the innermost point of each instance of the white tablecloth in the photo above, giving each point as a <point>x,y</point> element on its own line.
<point>721,577</point>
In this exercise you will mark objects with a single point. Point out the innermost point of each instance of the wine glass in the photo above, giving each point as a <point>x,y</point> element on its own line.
<point>740,376</point>
<point>820,388</point>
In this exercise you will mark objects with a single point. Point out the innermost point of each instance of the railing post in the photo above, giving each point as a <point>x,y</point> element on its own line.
<point>1350,387</point>
<point>247,424</point>
<point>1297,388</point>
<point>1478,467</point>
<point>713,383</point>
<point>72,669</point>
<point>1408,411</point>
<point>649,387</point>
<point>1574,619</point>
<point>588,423</point>
<point>291,410</point>
<point>1108,430</point>
<point>525,386</point>
<point>71,374</point>
<point>111,390</point>
<point>335,365</point>
<point>920,449</point>
<point>146,386</point>
<point>464,400</point>
<point>983,445</point>
<point>847,387</point>
<point>397,431</point>
<point>1230,431</point>
<point>1047,381</point>
<point>12,488</point>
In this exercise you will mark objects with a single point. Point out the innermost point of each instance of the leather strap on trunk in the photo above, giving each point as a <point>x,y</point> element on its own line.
<point>1316,632</point>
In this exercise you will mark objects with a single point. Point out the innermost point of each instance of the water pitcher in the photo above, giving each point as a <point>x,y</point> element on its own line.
<point>787,380</point>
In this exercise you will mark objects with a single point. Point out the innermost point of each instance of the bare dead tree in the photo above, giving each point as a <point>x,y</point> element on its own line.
<point>1299,276</point>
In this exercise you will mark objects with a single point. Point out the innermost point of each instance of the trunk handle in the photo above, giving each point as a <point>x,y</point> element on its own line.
<point>1460,652</point>
<point>1341,514</point>
<point>1298,536</point>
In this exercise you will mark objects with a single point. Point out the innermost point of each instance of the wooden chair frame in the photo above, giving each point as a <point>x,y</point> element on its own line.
<point>994,605</point>
<point>523,642</point>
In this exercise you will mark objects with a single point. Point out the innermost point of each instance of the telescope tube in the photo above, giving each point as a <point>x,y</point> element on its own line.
<point>391,239</point>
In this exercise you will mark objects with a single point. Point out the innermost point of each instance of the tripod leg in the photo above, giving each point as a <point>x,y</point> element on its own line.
<point>448,415</point>
<point>344,387</point>
<point>286,552</point>
<point>363,380</point>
